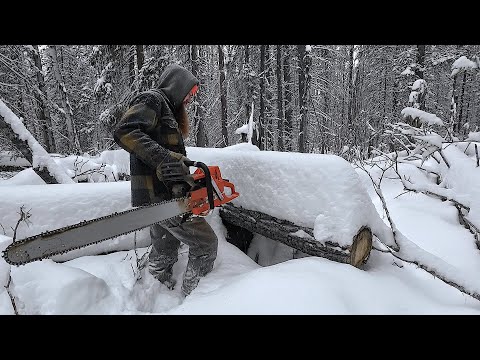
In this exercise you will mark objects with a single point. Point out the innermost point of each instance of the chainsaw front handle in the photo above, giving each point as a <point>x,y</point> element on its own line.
<point>208,179</point>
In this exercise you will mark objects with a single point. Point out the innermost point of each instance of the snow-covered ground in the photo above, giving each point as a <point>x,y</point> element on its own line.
<point>322,192</point>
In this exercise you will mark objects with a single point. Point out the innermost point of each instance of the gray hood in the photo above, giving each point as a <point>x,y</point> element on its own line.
<point>176,82</point>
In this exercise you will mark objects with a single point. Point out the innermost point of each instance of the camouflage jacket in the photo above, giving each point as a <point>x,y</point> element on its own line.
<point>149,131</point>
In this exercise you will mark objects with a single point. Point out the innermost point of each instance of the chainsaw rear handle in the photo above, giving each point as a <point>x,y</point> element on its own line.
<point>208,179</point>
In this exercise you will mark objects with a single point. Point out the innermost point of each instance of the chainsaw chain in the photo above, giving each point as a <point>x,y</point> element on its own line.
<point>80,224</point>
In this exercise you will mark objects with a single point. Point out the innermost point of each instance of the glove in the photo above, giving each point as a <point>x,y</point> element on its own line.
<point>177,171</point>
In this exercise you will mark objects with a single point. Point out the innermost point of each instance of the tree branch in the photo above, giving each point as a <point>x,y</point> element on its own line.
<point>7,287</point>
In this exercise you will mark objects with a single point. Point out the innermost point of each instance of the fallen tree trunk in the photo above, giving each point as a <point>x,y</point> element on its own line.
<point>12,168</point>
<point>241,223</point>
<point>41,161</point>
<point>23,147</point>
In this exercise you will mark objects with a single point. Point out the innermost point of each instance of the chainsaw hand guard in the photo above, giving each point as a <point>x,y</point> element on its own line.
<point>212,189</point>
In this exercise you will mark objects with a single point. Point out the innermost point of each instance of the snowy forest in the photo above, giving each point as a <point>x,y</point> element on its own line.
<point>312,99</point>
<point>405,117</point>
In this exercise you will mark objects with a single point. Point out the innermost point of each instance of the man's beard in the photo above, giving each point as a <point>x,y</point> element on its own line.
<point>183,122</point>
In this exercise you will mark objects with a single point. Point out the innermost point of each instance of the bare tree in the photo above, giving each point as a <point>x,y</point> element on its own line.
<point>43,113</point>
<point>419,71</point>
<point>304,59</point>
<point>280,119</point>
<point>201,139</point>
<point>223,97</point>
<point>66,106</point>
<point>289,103</point>
<point>261,117</point>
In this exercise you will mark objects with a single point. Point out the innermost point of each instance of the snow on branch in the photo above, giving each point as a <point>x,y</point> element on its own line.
<point>473,136</point>
<point>463,63</point>
<point>425,117</point>
<point>248,128</point>
<point>432,139</point>
<point>41,159</point>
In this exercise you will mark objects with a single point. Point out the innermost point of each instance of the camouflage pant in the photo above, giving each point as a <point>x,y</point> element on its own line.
<point>166,238</point>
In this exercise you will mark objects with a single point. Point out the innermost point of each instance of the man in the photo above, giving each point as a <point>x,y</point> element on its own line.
<point>152,131</point>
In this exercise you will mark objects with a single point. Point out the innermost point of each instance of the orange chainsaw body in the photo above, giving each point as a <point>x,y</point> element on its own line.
<point>199,198</point>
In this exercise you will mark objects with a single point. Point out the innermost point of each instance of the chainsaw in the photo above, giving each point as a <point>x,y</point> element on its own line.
<point>209,191</point>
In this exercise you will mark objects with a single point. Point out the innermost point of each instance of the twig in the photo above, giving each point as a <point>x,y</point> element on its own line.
<point>476,153</point>
<point>468,224</point>
<point>12,298</point>
<point>24,216</point>
<point>403,161</point>
<point>434,158</point>
<point>141,262</point>
<point>443,157</point>
<point>384,251</point>
<point>4,232</point>
<point>405,192</point>
<point>378,190</point>
<point>433,194</point>
<point>399,265</point>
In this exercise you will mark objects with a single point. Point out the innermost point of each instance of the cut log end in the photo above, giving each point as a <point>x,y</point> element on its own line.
<point>361,247</point>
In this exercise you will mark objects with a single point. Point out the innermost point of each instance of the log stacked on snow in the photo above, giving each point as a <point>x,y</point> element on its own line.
<point>241,223</point>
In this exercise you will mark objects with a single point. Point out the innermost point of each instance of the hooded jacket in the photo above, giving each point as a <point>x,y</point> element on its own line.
<point>149,131</point>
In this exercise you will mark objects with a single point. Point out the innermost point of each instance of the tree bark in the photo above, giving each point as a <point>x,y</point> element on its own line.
<point>269,131</point>
<point>131,67</point>
<point>460,113</point>
<point>140,56</point>
<point>43,112</point>
<point>280,143</point>
<point>198,117</point>
<point>303,77</point>
<point>453,105</point>
<point>419,71</point>
<point>72,134</point>
<point>288,233</point>
<point>261,117</point>
<point>249,79</point>
<point>287,80</point>
<point>350,90</point>
<point>223,97</point>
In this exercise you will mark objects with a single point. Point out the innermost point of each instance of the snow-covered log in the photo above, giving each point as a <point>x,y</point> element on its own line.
<point>242,223</point>
<point>312,191</point>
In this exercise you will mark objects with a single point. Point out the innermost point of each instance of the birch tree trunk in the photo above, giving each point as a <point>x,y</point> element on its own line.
<point>74,144</point>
